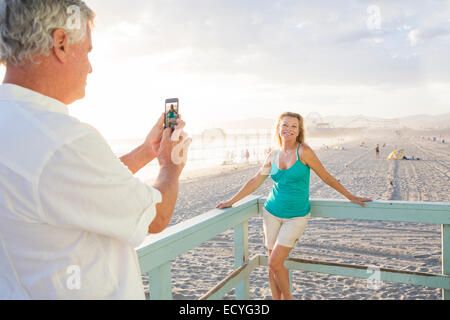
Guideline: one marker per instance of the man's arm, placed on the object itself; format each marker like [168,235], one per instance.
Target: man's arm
[167,181]
[145,153]
[138,158]
[167,184]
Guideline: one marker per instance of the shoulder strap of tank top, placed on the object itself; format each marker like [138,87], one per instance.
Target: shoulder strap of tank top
[298,157]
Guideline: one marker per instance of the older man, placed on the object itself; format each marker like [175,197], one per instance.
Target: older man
[70,211]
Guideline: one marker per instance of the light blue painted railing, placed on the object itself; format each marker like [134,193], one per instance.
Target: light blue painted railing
[157,251]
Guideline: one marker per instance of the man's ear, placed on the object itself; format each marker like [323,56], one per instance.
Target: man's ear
[60,45]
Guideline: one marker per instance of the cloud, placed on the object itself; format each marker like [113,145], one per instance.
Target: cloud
[417,36]
[414,36]
[301,25]
[300,41]
[286,44]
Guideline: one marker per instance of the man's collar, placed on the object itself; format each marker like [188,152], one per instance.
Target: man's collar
[12,92]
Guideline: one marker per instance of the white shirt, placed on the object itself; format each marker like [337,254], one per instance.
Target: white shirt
[71,213]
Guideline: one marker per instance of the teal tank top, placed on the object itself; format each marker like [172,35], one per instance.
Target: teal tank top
[289,197]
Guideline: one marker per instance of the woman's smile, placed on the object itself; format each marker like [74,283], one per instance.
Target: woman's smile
[287,133]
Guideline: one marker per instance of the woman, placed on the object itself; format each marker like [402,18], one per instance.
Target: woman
[287,208]
[172,115]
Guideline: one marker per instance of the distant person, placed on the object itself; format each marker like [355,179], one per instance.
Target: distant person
[287,209]
[247,156]
[412,158]
[377,151]
[71,211]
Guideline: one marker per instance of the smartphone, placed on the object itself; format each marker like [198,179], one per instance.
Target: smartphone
[171,113]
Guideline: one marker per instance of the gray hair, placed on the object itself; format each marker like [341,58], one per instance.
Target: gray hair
[27,26]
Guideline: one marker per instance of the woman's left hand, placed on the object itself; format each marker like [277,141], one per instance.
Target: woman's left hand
[359,200]
[224,204]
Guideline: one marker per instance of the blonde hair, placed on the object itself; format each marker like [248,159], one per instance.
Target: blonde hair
[301,135]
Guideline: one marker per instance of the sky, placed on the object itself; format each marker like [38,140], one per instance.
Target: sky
[235,59]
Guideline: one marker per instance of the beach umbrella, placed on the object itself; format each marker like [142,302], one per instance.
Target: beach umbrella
[396,154]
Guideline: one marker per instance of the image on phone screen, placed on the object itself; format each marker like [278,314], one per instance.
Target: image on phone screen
[171,113]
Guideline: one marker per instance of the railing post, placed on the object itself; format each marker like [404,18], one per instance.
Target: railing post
[290,273]
[160,282]
[446,256]
[240,258]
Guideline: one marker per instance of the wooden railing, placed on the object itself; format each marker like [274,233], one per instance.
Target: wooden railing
[157,251]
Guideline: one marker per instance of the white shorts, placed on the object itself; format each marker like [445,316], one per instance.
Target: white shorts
[283,232]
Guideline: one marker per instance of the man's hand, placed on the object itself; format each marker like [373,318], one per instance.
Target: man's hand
[173,148]
[153,140]
[146,152]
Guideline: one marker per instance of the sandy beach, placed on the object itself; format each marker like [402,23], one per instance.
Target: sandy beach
[402,246]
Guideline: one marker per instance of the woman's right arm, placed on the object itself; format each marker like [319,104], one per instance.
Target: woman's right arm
[251,185]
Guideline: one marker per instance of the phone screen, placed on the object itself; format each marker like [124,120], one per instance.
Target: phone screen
[171,113]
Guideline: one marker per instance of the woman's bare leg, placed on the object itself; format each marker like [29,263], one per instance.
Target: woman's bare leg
[276,292]
[279,272]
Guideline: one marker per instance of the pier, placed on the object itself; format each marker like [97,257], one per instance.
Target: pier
[157,251]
